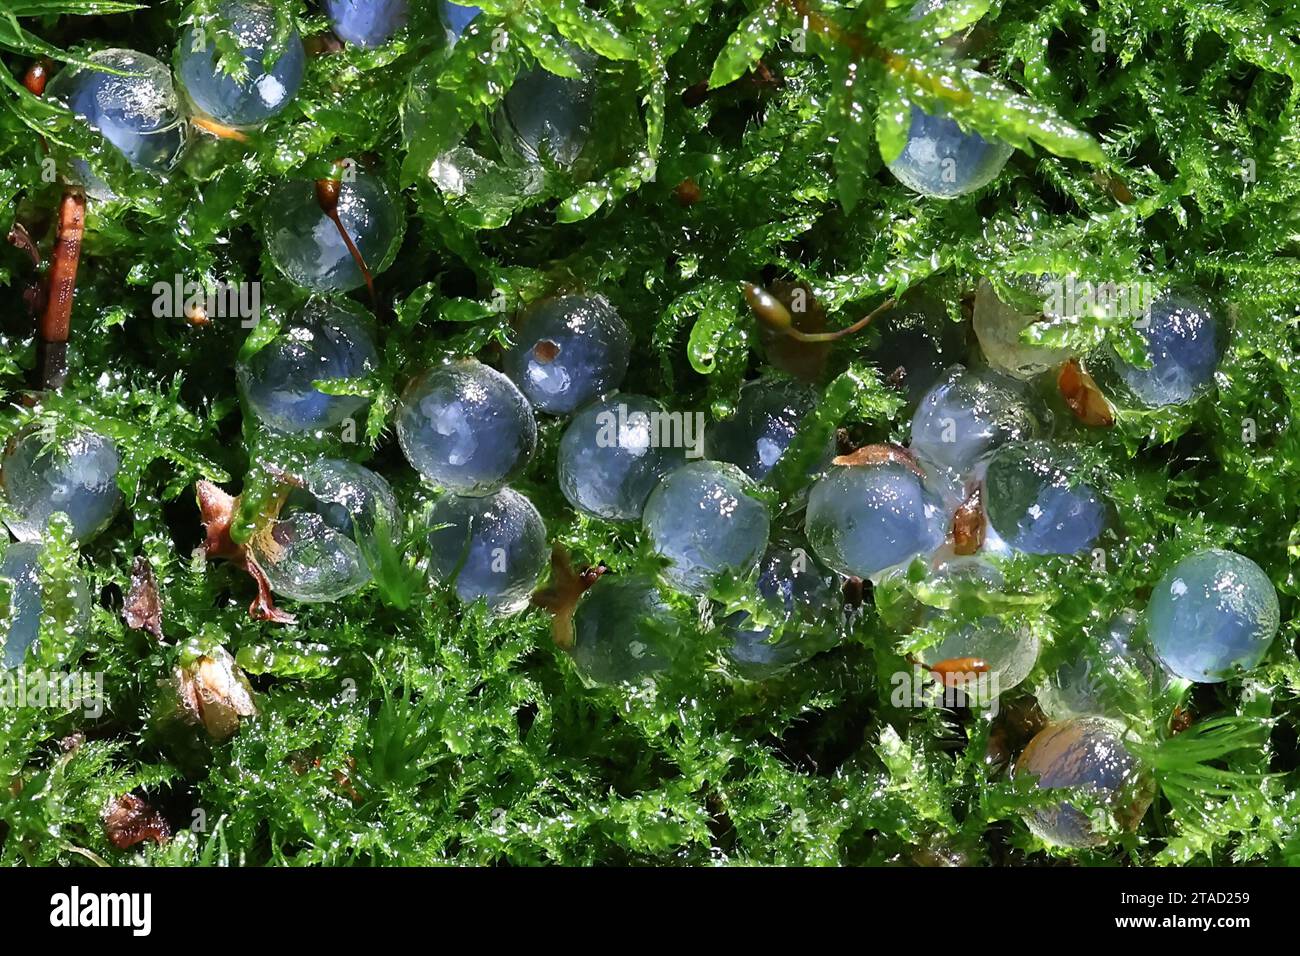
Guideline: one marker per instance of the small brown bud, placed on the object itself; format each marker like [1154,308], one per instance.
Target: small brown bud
[213,691]
[128,820]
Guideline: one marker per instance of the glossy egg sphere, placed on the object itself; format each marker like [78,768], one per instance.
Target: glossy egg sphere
[23,599]
[76,475]
[624,632]
[1213,615]
[1000,328]
[456,18]
[942,161]
[803,599]
[1105,678]
[306,245]
[136,110]
[569,351]
[321,341]
[613,454]
[704,521]
[973,627]
[915,343]
[1182,342]
[1008,651]
[766,419]
[466,428]
[270,82]
[367,23]
[323,542]
[865,519]
[967,414]
[547,118]
[1036,502]
[1086,752]
[493,547]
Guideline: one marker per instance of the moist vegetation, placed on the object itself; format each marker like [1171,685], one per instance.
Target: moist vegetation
[736,142]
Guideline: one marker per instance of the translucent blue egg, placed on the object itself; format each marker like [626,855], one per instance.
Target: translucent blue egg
[1036,502]
[966,615]
[307,246]
[613,454]
[1087,752]
[43,474]
[1213,614]
[270,84]
[1105,679]
[966,415]
[623,631]
[137,112]
[456,17]
[20,573]
[321,341]
[864,519]
[915,343]
[803,600]
[767,417]
[1182,342]
[1000,328]
[367,23]
[547,118]
[942,161]
[1008,651]
[22,602]
[703,519]
[493,547]
[569,351]
[466,428]
[322,543]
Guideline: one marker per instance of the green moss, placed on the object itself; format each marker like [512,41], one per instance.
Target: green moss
[396,727]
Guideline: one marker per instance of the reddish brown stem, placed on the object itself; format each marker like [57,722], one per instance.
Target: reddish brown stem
[774,314]
[143,608]
[687,192]
[1180,720]
[857,326]
[855,591]
[34,291]
[327,196]
[57,318]
[37,75]
[56,321]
